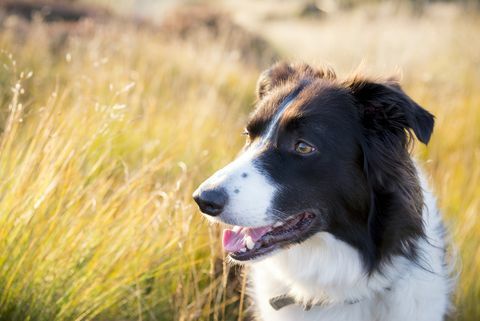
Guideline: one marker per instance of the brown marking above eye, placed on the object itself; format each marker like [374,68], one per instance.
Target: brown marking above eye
[266,109]
[255,127]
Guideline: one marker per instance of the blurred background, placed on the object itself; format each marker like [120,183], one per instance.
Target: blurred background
[113,111]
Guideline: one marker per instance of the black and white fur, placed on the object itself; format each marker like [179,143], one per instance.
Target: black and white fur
[378,239]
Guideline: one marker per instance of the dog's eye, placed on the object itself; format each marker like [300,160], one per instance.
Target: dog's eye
[304,148]
[247,135]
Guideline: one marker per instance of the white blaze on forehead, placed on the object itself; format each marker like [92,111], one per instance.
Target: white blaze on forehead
[250,191]
[272,127]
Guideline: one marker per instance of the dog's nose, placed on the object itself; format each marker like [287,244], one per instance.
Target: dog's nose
[211,201]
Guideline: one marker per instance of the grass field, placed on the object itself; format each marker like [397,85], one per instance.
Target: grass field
[107,129]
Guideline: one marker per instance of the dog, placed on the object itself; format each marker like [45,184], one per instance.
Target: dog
[326,204]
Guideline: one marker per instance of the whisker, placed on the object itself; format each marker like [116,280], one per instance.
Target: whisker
[276,213]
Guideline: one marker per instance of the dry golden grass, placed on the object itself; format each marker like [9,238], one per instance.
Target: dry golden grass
[105,136]
[102,142]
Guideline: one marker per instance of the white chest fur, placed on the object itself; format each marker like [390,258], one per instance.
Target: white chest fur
[326,268]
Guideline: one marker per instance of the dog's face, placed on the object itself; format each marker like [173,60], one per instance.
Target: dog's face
[320,155]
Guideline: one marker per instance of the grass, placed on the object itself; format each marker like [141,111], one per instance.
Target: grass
[105,136]
[102,144]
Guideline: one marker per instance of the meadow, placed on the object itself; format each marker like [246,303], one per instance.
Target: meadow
[107,128]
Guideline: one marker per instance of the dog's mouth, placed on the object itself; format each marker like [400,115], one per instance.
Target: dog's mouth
[247,243]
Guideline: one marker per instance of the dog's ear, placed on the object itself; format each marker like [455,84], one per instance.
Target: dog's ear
[272,77]
[283,72]
[389,117]
[386,109]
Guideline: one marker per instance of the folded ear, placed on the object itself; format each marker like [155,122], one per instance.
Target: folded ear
[272,77]
[389,118]
[385,108]
[283,72]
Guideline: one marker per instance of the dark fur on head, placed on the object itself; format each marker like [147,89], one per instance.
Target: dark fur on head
[382,119]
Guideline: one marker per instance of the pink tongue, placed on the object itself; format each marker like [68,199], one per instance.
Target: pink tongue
[235,241]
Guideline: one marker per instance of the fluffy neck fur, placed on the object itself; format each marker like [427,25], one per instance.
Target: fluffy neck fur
[325,268]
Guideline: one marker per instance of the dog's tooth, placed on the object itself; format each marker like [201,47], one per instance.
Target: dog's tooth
[236,229]
[249,243]
[243,250]
[277,224]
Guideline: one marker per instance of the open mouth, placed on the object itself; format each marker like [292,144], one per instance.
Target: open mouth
[247,243]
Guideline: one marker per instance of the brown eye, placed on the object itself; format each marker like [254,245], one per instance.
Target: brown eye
[304,148]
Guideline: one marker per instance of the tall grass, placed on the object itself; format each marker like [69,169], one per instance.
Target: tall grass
[105,135]
[102,142]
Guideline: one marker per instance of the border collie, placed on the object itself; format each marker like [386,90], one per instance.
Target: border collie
[327,204]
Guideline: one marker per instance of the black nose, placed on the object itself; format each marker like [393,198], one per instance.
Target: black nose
[211,201]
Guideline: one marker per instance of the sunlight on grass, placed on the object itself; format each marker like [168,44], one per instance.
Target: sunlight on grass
[105,136]
[102,144]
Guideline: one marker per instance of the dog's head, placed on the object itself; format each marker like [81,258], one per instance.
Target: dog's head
[322,155]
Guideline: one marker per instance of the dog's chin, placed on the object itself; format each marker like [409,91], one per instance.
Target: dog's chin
[249,244]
